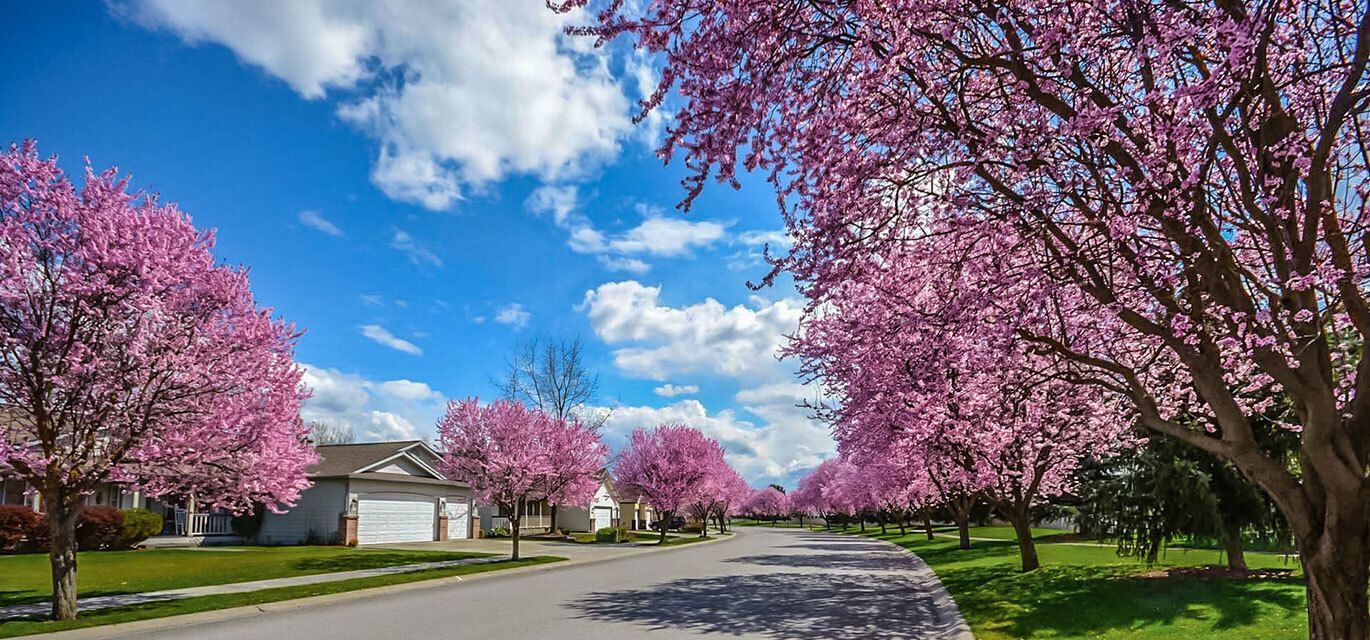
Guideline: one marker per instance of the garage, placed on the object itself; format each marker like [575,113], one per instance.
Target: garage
[604,517]
[383,519]
[458,518]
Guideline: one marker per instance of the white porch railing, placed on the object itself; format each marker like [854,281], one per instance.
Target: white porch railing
[203,524]
[526,523]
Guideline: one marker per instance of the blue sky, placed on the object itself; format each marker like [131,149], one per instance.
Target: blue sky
[421,190]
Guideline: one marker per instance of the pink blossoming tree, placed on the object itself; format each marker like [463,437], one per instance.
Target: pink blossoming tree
[1191,176]
[130,355]
[768,503]
[667,466]
[514,455]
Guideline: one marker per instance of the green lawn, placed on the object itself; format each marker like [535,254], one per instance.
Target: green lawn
[210,603]
[26,578]
[1090,592]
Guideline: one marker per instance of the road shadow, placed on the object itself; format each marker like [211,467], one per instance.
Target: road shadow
[779,605]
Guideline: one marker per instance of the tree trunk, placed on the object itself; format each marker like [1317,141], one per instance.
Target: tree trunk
[665,520]
[863,524]
[963,528]
[553,528]
[927,526]
[61,518]
[514,533]
[882,527]
[902,528]
[1232,544]
[1027,549]
[1335,567]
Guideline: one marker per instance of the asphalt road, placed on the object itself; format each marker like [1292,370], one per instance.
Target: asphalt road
[762,583]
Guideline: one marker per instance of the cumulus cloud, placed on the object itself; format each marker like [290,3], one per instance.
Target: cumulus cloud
[456,94]
[375,410]
[669,390]
[662,342]
[513,315]
[769,434]
[777,451]
[381,335]
[657,235]
[315,220]
[418,254]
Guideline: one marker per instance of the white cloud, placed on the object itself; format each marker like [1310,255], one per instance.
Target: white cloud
[513,315]
[372,299]
[418,254]
[664,342]
[385,410]
[669,390]
[316,220]
[456,94]
[778,451]
[655,236]
[382,336]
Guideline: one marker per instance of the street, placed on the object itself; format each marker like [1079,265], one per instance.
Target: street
[763,583]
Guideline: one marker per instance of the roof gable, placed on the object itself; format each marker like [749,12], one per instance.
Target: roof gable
[408,457]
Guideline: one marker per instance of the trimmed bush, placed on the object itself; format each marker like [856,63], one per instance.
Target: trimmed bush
[611,534]
[690,528]
[98,528]
[247,525]
[16,523]
[138,525]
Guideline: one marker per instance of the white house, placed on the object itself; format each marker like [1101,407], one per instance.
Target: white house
[601,512]
[372,493]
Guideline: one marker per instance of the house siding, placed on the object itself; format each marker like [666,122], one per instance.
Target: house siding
[318,510]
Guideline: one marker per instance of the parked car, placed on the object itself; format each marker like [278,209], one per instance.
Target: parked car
[676,523]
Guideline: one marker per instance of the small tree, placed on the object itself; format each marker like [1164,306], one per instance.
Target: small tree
[550,374]
[768,503]
[513,455]
[130,355]
[323,433]
[666,466]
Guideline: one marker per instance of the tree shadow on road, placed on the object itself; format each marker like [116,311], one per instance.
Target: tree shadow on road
[780,605]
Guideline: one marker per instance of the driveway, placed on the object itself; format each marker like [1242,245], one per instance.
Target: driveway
[762,583]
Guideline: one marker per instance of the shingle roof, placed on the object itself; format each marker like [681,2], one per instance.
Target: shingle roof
[346,459]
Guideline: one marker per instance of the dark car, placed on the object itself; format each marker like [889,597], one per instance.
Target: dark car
[676,523]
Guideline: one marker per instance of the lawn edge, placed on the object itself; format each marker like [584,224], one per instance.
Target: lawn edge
[126,629]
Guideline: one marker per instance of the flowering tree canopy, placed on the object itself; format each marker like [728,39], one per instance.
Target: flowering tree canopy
[513,455]
[768,502]
[129,354]
[668,466]
[1188,181]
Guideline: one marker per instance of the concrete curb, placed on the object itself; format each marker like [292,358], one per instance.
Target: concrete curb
[948,606]
[137,627]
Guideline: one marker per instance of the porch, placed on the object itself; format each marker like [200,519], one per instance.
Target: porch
[526,523]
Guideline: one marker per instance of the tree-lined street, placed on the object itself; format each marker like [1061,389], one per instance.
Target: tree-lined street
[762,583]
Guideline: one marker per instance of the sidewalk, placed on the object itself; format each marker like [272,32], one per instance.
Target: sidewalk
[102,602]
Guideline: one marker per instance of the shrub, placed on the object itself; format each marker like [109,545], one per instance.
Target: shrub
[247,525]
[139,525]
[689,528]
[611,534]
[16,523]
[498,532]
[98,528]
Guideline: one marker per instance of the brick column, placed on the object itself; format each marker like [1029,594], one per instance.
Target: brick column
[442,528]
[347,525]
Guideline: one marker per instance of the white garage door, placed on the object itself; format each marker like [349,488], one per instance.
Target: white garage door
[458,518]
[395,518]
[604,517]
